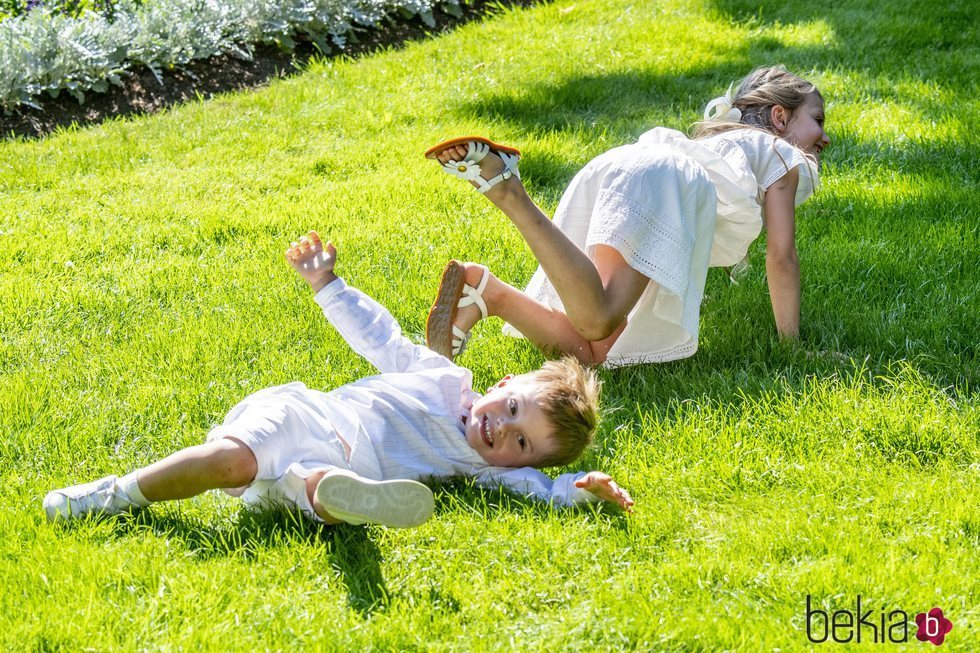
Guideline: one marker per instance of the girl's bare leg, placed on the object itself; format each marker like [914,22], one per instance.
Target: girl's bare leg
[549,329]
[597,295]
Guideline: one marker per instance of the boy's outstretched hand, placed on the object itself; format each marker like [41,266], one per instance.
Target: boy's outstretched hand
[312,260]
[606,489]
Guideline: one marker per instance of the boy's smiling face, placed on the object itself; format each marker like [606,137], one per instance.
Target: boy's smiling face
[508,428]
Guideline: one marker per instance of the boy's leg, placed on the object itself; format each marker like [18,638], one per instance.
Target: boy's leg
[311,482]
[341,496]
[218,464]
[221,463]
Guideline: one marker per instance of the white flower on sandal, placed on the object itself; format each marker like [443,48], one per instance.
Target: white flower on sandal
[477,149]
[468,170]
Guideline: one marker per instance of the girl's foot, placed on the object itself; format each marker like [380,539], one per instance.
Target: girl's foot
[466,295]
[468,316]
[313,261]
[485,171]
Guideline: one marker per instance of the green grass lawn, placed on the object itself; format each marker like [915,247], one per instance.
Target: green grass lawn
[143,292]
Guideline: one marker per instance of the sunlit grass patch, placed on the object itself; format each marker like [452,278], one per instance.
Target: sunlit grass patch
[143,293]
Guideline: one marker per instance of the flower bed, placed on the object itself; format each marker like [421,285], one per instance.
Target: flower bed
[48,51]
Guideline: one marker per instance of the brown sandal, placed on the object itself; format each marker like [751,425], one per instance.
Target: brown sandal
[441,334]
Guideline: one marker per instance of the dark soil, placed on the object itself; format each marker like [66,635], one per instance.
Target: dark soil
[141,92]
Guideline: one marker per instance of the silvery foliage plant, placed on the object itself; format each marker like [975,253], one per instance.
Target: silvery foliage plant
[44,52]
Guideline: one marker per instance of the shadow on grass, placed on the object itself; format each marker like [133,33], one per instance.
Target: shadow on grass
[878,38]
[461,494]
[350,550]
[628,103]
[913,306]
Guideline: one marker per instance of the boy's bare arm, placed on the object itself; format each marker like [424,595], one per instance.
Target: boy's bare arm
[604,487]
[314,262]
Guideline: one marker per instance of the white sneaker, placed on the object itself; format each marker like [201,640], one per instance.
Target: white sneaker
[358,500]
[101,497]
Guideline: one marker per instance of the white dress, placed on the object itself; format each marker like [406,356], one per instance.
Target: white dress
[672,207]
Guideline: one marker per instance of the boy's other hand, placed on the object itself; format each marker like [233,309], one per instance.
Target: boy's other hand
[313,261]
[606,489]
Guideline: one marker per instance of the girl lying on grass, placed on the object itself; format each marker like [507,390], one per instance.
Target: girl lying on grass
[354,454]
[623,265]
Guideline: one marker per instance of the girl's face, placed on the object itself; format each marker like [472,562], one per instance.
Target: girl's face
[804,126]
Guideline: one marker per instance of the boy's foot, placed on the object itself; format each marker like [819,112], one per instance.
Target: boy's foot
[459,305]
[490,167]
[314,262]
[102,497]
[358,500]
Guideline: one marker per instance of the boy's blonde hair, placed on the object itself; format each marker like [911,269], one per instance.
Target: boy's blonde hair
[568,393]
[756,95]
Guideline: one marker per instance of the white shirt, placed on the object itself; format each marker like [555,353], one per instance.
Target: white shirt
[407,421]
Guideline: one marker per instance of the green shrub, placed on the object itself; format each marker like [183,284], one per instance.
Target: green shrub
[48,50]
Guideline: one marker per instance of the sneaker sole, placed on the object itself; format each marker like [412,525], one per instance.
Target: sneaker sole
[396,504]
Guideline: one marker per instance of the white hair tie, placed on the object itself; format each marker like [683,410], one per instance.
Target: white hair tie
[721,110]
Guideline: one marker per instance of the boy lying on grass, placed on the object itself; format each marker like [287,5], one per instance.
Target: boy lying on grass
[354,454]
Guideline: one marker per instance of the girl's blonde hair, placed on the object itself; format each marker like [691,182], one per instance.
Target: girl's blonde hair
[756,95]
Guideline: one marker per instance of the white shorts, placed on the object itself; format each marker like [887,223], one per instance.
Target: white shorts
[289,443]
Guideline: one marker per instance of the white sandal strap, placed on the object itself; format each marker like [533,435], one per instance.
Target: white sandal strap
[476,151]
[467,169]
[510,162]
[459,341]
[487,184]
[473,295]
[470,296]
[510,169]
